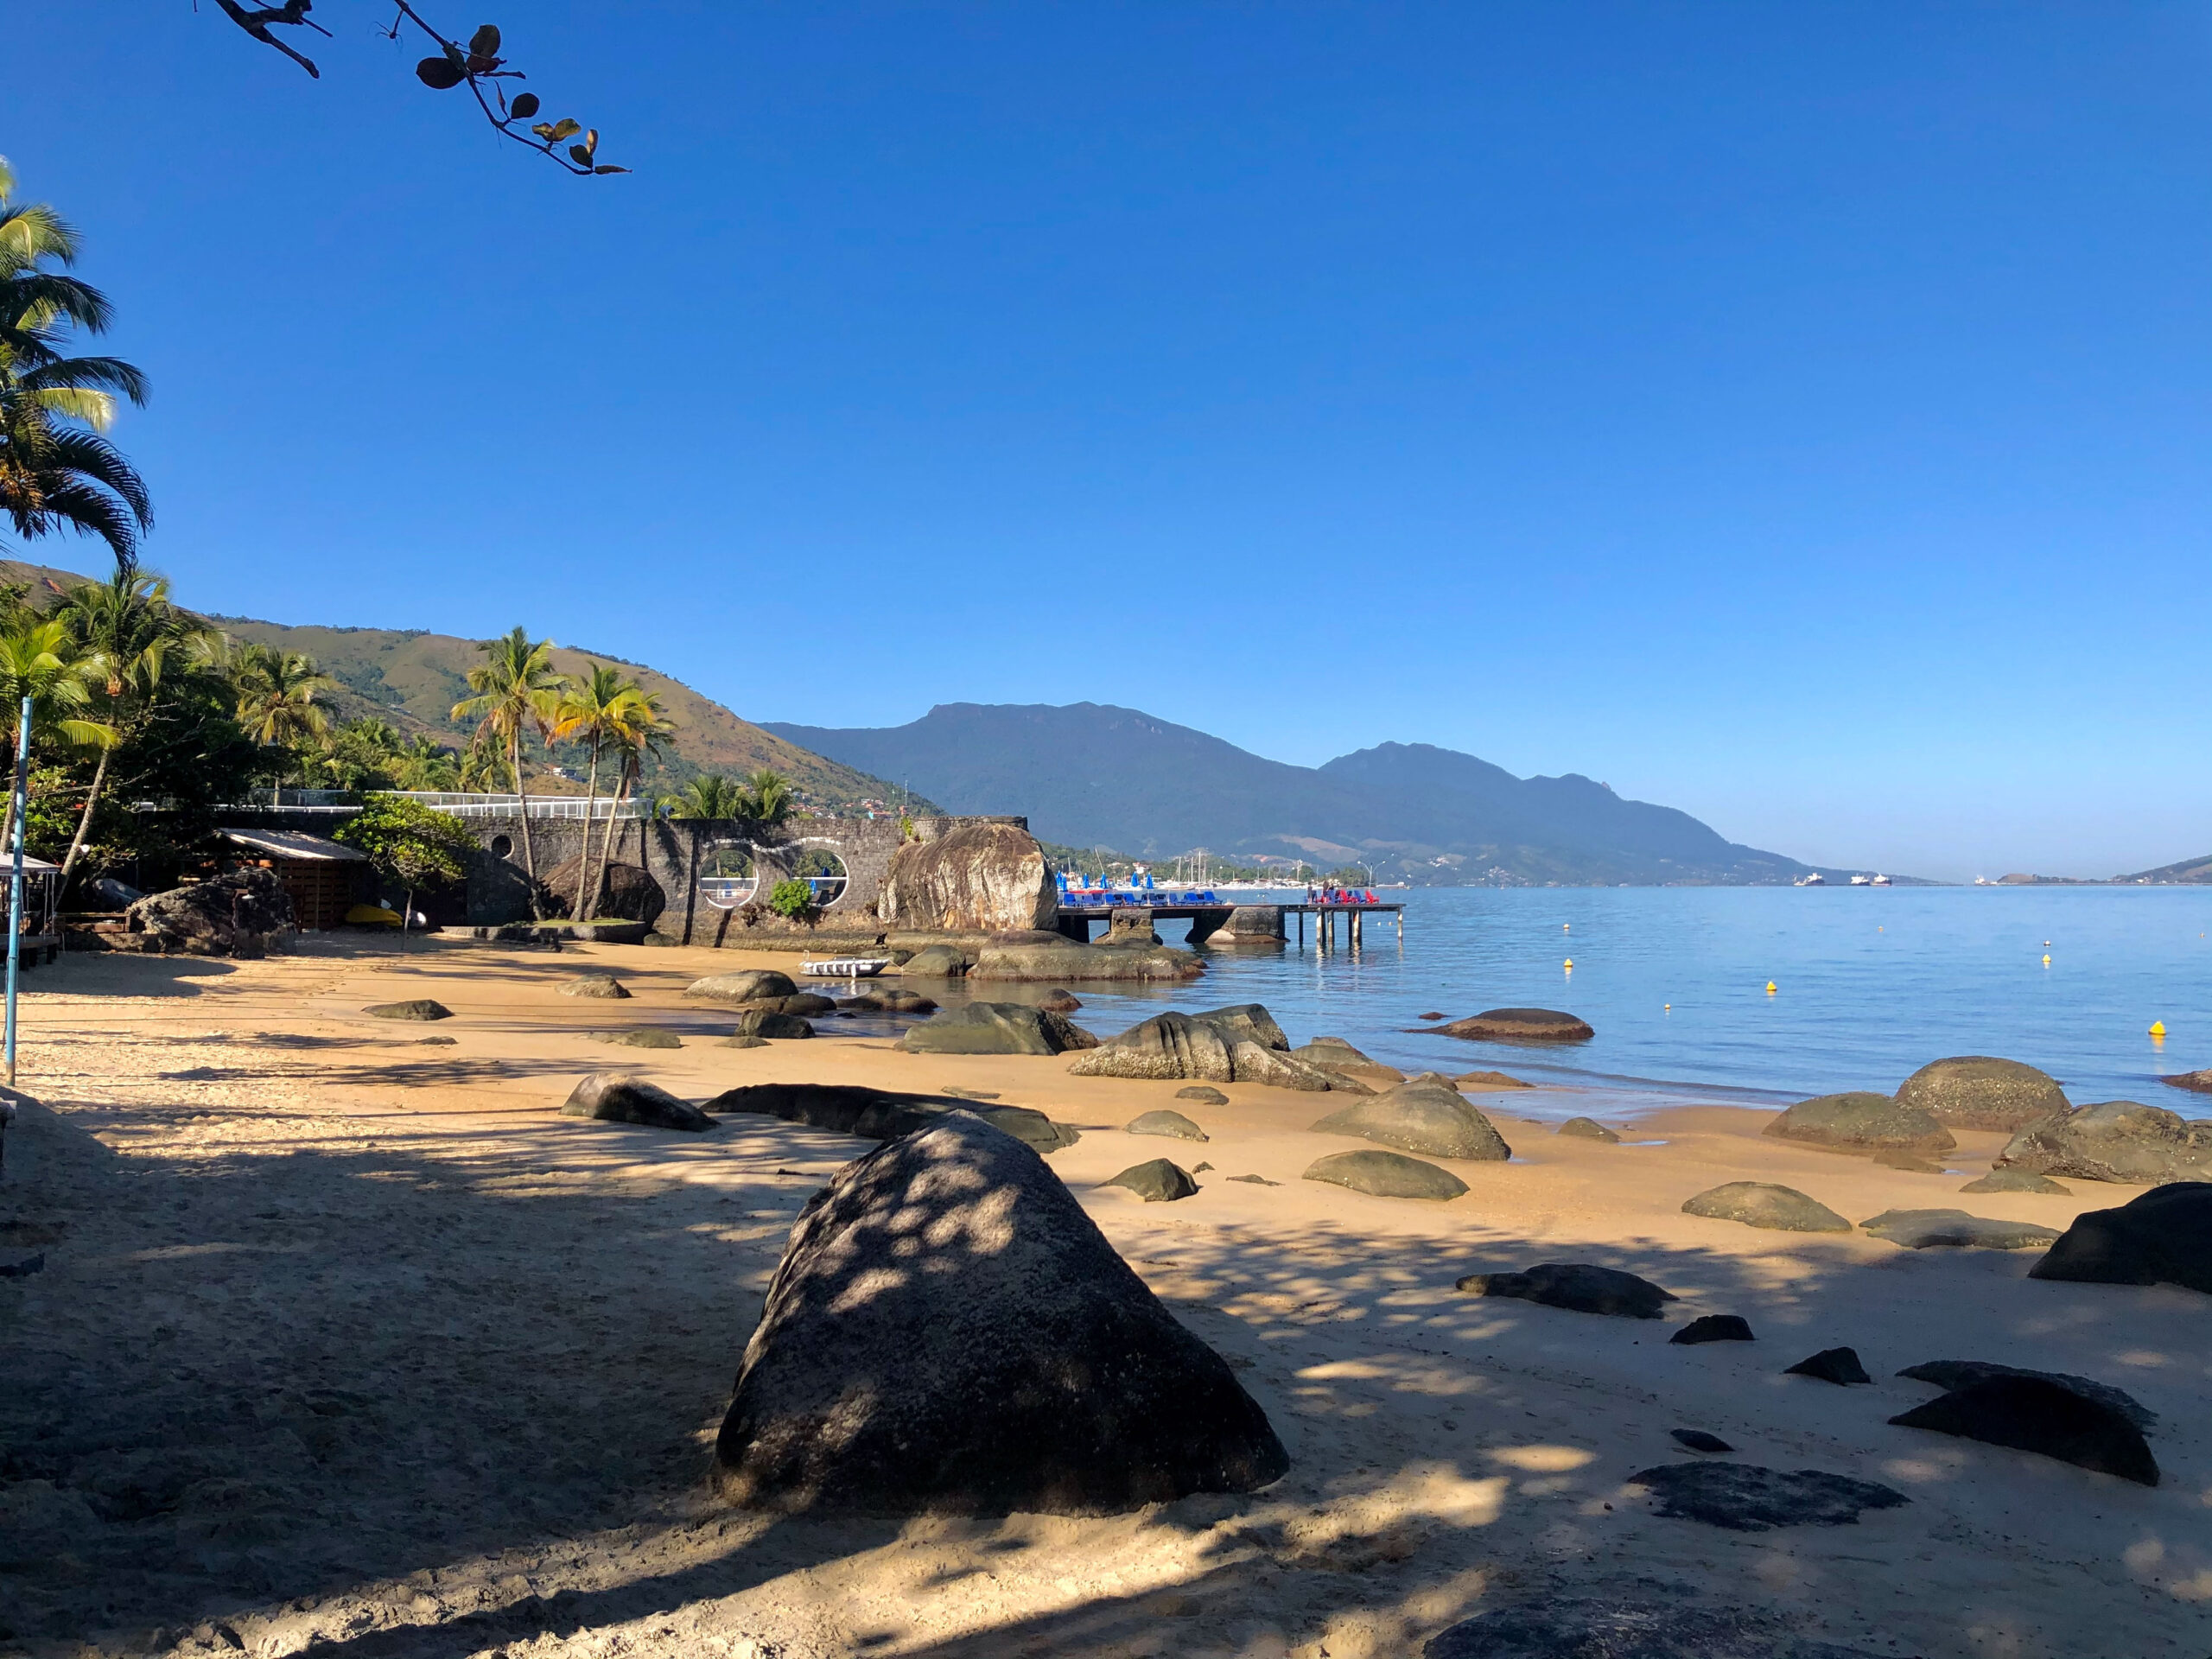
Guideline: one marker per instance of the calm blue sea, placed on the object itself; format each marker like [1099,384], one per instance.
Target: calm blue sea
[1870,983]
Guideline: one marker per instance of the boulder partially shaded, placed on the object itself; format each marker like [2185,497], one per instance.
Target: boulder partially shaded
[1426,1115]
[741,986]
[2017,1180]
[937,961]
[1156,1181]
[416,1007]
[2033,1414]
[1977,1091]
[1965,1373]
[1861,1123]
[1713,1327]
[997,1028]
[1521,1025]
[759,1022]
[1924,1230]
[1249,1062]
[883,1113]
[628,892]
[1744,1497]
[1840,1366]
[1172,1124]
[1650,1620]
[1578,1286]
[240,913]
[611,1097]
[1764,1204]
[978,878]
[596,985]
[948,1333]
[640,1037]
[1386,1175]
[2164,1237]
[1167,1046]
[1250,1021]
[2114,1140]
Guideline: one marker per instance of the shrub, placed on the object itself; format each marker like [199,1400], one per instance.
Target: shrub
[793,900]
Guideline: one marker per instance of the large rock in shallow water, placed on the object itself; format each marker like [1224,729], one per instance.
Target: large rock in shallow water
[1387,1175]
[1861,1123]
[1653,1621]
[612,1098]
[2114,1140]
[1975,1091]
[744,986]
[1763,1203]
[980,878]
[762,1022]
[997,1028]
[1250,1063]
[2035,1413]
[1577,1287]
[949,1333]
[1063,960]
[2162,1237]
[937,961]
[1427,1115]
[1521,1025]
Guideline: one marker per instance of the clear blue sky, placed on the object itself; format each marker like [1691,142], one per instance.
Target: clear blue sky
[1800,413]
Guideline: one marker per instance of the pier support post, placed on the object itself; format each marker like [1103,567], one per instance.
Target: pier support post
[1357,918]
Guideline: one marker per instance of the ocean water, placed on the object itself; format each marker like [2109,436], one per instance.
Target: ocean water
[1870,984]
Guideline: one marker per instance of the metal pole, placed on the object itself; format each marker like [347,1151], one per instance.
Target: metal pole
[16,879]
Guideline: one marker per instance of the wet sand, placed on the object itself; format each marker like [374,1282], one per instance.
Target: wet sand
[351,1346]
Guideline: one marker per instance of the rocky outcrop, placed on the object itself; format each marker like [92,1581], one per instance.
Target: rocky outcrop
[1426,1115]
[1763,1203]
[997,1028]
[243,914]
[1060,960]
[1578,1286]
[745,986]
[937,961]
[2162,1237]
[630,894]
[2037,1413]
[1156,1181]
[1861,1123]
[1744,1498]
[612,1098]
[1387,1175]
[2114,1140]
[1250,927]
[1174,1046]
[1335,1054]
[1975,1091]
[1251,1022]
[1924,1229]
[2200,1082]
[948,1333]
[2017,1180]
[979,878]
[1250,1063]
[1521,1025]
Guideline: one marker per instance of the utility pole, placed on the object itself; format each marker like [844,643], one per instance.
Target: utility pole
[16,878]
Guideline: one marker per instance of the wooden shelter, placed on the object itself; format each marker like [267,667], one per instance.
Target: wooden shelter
[323,878]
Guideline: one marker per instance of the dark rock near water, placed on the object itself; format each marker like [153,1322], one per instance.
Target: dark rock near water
[1975,1091]
[612,1098]
[1426,1115]
[949,1333]
[1658,1622]
[640,1037]
[1837,1365]
[959,1093]
[599,985]
[1714,1327]
[882,1113]
[1577,1285]
[1250,1021]
[1203,1094]
[997,1028]
[1923,1229]
[1698,1440]
[2199,1081]
[1586,1129]
[1744,1497]
[1165,1123]
[1861,1123]
[2017,1180]
[1432,1015]
[1249,1062]
[2032,1414]
[419,1007]
[1057,1001]
[1386,1175]
[1763,1203]
[1479,1081]
[237,914]
[896,1001]
[798,1002]
[1965,1373]
[2164,1237]
[1521,1025]
[937,961]
[1168,1045]
[2114,1140]
[743,986]
[630,894]
[1064,960]
[759,1022]
[1156,1181]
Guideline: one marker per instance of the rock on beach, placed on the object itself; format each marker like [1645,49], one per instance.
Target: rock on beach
[1387,1175]
[1157,1180]
[1521,1025]
[1923,1229]
[1744,1497]
[1977,1091]
[612,1098]
[2114,1140]
[2163,1237]
[419,1007]
[1764,1204]
[743,986]
[2034,1414]
[1172,1124]
[1578,1286]
[1861,1123]
[1426,1115]
[997,1028]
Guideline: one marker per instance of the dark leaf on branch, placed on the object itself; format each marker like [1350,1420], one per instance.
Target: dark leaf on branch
[485,42]
[478,65]
[580,155]
[523,107]
[603,168]
[564,128]
[440,74]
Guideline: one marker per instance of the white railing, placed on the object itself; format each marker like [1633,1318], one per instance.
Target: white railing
[469,805]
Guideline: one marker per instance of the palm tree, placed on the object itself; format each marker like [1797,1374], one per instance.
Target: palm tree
[128,628]
[768,799]
[277,691]
[639,732]
[57,471]
[39,661]
[711,795]
[425,763]
[592,711]
[516,690]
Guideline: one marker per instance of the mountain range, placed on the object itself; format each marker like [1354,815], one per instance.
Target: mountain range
[1090,774]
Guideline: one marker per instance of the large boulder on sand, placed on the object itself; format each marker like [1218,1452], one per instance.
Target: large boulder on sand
[948,1333]
[765,1022]
[416,1009]
[979,878]
[1521,1025]
[237,914]
[2039,1413]
[1426,1115]
[1250,1063]
[883,1113]
[2162,1237]
[997,1028]
[1056,960]
[631,893]
[1861,1123]
[1975,1091]
[744,986]
[1157,1180]
[1763,1203]
[1173,1124]
[937,961]
[1251,1022]
[1579,1287]
[614,1098]
[1387,1175]
[597,985]
[1924,1229]
[2114,1140]
[1167,1046]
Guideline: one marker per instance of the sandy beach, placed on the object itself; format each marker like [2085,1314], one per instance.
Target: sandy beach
[348,1345]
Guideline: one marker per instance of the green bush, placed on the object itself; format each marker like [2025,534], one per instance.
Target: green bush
[792,900]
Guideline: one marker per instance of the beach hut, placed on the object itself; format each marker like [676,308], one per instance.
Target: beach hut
[41,933]
[323,878]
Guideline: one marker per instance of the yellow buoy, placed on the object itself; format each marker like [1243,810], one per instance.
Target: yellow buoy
[2046,958]
[1566,927]
[1570,964]
[1770,988]
[2158,1028]
[1670,1007]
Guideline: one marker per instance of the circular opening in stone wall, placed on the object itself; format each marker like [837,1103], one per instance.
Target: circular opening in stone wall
[824,872]
[502,846]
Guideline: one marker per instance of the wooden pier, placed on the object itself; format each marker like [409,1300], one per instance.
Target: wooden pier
[1207,920]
